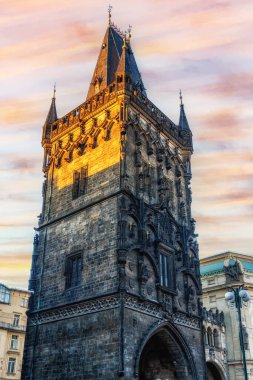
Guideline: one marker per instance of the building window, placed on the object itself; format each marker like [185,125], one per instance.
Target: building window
[166,270]
[216,339]
[80,182]
[209,337]
[14,342]
[4,294]
[24,302]
[74,266]
[16,320]
[11,365]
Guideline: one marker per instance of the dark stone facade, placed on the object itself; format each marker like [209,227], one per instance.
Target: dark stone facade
[126,237]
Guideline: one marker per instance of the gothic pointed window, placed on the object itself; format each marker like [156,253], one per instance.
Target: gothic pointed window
[80,182]
[73,269]
[209,337]
[76,184]
[83,181]
[166,266]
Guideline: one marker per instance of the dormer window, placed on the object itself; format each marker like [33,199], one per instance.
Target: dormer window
[97,84]
[97,87]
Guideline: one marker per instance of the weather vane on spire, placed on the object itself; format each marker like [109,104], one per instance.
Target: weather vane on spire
[109,14]
[181,97]
[54,90]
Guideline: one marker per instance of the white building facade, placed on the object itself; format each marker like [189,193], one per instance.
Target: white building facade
[221,273]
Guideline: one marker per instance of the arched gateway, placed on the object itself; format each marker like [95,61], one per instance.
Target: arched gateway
[214,372]
[165,356]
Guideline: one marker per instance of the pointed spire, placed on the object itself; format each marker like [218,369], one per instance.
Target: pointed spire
[52,113]
[107,62]
[110,61]
[183,122]
[124,66]
[127,65]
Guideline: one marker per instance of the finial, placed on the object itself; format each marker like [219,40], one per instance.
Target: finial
[181,97]
[124,41]
[109,14]
[54,90]
[129,32]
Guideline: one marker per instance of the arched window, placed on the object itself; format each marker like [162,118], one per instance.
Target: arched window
[216,339]
[4,294]
[209,337]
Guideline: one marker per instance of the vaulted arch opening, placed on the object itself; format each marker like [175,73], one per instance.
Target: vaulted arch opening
[163,358]
[213,372]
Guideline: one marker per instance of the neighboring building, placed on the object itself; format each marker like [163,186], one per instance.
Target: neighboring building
[215,345]
[219,273]
[115,268]
[13,307]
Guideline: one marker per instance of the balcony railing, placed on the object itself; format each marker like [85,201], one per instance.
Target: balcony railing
[11,326]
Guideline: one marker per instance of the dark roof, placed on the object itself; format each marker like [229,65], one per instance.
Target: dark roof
[111,60]
[52,113]
[183,122]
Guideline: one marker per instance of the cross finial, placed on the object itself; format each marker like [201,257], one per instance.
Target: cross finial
[181,97]
[129,32]
[54,90]
[109,14]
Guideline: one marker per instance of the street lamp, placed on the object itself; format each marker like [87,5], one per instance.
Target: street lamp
[238,296]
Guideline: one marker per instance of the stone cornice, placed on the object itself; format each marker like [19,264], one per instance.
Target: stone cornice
[111,302]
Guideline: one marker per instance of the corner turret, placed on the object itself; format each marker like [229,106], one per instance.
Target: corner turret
[51,118]
[183,122]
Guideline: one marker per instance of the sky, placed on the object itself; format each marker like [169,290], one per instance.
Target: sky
[201,47]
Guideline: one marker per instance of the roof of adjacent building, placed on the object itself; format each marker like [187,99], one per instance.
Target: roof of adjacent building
[15,289]
[215,264]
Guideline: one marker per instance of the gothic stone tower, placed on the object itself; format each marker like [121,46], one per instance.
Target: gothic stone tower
[115,268]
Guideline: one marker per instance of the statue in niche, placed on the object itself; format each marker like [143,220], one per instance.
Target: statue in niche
[179,188]
[143,272]
[138,160]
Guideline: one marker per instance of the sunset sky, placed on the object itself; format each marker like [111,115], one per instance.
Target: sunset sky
[203,47]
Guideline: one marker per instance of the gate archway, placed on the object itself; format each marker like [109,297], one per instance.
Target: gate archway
[213,372]
[165,356]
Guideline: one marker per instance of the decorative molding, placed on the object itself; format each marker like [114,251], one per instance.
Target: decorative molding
[110,302]
[145,307]
[82,308]
[187,321]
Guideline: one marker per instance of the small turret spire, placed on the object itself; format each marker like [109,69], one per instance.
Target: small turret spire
[52,113]
[183,122]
